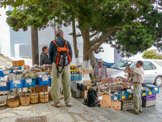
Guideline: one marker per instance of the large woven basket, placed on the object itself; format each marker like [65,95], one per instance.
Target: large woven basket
[44,98]
[34,98]
[3,104]
[13,102]
[25,99]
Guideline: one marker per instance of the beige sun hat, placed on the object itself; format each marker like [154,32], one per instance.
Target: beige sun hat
[100,60]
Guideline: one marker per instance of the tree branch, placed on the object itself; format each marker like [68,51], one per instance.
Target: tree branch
[92,35]
[100,40]
[105,34]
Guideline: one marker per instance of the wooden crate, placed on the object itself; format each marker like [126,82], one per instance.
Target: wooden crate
[116,104]
[105,99]
[127,104]
[148,103]
[18,63]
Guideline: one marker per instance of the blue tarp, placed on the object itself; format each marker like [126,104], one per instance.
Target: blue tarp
[106,63]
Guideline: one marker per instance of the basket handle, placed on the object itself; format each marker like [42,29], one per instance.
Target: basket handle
[43,91]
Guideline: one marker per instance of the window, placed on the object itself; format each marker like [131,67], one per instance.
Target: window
[149,66]
[121,64]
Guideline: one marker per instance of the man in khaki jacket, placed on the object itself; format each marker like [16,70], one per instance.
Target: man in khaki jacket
[138,78]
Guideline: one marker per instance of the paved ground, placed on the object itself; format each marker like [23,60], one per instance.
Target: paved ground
[76,113]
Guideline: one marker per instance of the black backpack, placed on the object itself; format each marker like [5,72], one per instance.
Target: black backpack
[92,98]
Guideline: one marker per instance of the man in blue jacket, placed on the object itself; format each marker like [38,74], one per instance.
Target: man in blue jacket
[64,76]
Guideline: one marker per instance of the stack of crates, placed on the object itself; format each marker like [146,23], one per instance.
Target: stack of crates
[75,76]
[149,100]
[149,97]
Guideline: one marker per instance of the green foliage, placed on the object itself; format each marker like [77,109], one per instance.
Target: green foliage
[135,24]
[151,54]
[134,38]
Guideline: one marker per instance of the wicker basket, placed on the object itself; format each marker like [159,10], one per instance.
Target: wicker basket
[50,96]
[34,98]
[13,102]
[44,98]
[25,99]
[3,104]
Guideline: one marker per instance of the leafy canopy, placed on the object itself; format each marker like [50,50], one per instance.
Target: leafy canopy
[131,26]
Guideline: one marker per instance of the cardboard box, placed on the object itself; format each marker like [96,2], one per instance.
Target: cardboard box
[83,94]
[81,71]
[18,63]
[38,89]
[105,99]
[87,81]
[116,104]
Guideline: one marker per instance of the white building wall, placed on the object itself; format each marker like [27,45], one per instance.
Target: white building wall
[4,34]
[108,54]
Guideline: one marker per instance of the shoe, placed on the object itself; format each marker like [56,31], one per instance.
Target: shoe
[57,105]
[135,112]
[140,111]
[68,104]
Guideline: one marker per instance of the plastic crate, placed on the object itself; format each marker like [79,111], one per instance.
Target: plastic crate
[4,86]
[130,95]
[126,95]
[45,80]
[76,77]
[149,97]
[154,89]
[30,82]
[5,72]
[144,93]
[119,97]
[14,84]
[112,97]
[1,73]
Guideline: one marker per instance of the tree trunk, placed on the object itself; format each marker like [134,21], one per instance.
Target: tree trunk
[35,50]
[93,59]
[86,42]
[86,46]
[76,51]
